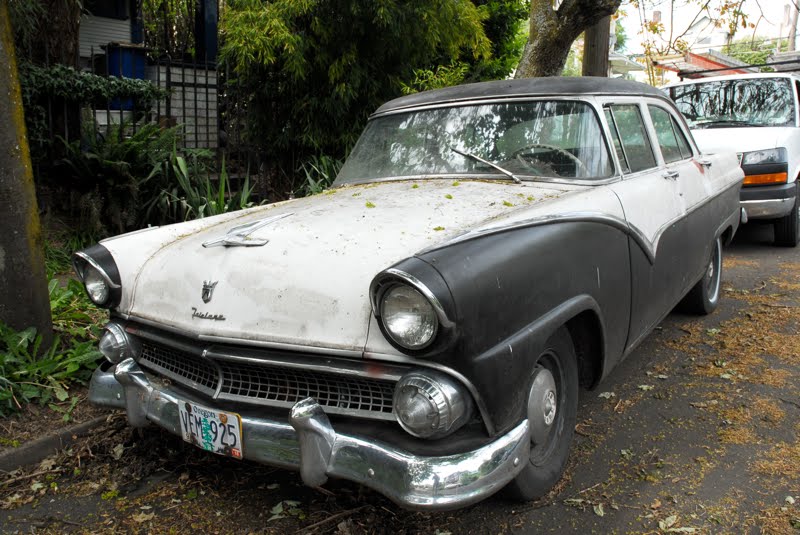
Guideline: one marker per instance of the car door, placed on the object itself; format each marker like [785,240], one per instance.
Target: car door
[654,209]
[694,188]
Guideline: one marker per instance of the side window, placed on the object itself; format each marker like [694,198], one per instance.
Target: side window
[612,126]
[637,154]
[665,132]
[683,143]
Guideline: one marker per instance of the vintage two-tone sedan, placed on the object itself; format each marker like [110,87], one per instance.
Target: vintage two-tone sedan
[424,326]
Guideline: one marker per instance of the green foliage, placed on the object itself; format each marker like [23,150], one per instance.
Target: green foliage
[320,172]
[753,51]
[506,30]
[442,76]
[311,71]
[109,178]
[26,17]
[197,195]
[58,249]
[65,84]
[29,375]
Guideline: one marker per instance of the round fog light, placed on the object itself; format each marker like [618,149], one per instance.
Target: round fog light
[429,404]
[115,345]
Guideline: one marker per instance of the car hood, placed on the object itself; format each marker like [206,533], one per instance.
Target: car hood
[309,283]
[744,139]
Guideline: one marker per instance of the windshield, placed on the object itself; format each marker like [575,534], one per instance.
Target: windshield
[736,103]
[528,140]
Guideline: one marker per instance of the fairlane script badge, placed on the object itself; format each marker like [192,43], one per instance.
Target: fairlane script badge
[206,315]
[208,290]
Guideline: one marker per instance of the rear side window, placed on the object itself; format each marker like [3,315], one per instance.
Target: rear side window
[635,151]
[674,145]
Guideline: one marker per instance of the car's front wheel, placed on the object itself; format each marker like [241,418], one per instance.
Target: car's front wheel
[787,228]
[551,411]
[703,298]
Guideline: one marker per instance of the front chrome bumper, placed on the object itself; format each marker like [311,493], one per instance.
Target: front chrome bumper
[309,443]
[767,208]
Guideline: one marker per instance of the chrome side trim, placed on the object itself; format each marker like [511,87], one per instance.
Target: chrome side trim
[311,444]
[92,262]
[567,217]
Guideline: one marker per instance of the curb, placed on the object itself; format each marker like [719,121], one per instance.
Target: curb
[41,448]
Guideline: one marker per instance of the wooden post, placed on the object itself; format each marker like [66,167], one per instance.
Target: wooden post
[24,299]
[595,48]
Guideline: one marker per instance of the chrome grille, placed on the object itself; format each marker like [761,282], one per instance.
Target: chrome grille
[181,366]
[288,386]
[270,384]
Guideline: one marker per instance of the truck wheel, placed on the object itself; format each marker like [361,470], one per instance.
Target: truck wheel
[703,298]
[786,228]
[551,411]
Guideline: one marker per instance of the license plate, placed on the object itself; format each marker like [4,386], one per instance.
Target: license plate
[211,430]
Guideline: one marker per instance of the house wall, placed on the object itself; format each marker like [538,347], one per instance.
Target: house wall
[97,31]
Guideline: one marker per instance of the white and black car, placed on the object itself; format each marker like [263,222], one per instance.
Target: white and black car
[424,327]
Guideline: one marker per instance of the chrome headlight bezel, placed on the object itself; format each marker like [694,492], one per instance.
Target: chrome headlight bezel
[95,266]
[765,156]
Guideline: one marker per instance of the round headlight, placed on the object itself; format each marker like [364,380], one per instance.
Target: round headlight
[430,404]
[115,344]
[409,318]
[96,285]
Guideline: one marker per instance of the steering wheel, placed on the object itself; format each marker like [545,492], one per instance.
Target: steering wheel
[521,152]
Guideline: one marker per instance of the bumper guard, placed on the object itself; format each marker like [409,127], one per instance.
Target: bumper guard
[309,443]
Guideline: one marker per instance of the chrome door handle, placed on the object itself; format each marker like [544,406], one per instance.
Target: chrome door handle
[704,163]
[671,175]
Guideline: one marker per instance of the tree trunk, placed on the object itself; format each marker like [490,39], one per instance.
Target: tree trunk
[552,32]
[792,28]
[24,300]
[595,48]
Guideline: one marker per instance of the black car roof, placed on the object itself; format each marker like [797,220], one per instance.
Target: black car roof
[547,86]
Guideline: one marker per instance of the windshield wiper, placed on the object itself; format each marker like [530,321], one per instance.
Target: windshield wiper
[506,172]
[726,122]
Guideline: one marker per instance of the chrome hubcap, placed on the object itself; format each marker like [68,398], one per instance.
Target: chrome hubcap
[549,407]
[542,405]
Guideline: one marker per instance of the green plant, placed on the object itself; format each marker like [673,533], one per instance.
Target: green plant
[28,374]
[42,86]
[112,176]
[58,249]
[197,195]
[26,377]
[320,172]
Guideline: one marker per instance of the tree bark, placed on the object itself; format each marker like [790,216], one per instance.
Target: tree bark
[595,48]
[24,299]
[553,31]
[792,29]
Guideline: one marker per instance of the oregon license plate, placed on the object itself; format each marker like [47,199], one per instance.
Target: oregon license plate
[211,430]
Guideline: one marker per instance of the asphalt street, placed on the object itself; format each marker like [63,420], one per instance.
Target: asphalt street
[698,431]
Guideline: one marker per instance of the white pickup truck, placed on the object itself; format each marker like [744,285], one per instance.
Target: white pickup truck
[755,115]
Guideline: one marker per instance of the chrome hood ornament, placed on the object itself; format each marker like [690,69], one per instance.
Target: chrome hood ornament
[240,236]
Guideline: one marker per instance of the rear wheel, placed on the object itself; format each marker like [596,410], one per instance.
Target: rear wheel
[552,409]
[787,228]
[703,298]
